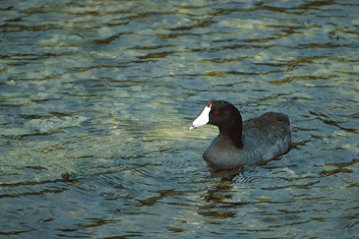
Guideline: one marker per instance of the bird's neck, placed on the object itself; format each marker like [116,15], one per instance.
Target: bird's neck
[234,133]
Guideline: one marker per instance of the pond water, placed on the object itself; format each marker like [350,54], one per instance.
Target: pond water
[96,98]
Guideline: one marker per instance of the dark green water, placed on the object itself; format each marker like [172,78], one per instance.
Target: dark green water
[96,98]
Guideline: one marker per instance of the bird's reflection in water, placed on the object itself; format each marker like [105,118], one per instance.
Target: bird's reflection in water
[219,202]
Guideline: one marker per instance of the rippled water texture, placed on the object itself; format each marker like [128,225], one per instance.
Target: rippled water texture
[96,98]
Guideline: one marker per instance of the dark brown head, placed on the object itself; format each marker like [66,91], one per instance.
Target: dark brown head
[225,116]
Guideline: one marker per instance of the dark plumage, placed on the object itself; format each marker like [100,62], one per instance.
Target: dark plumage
[252,142]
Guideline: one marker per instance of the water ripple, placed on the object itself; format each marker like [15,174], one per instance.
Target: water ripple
[96,99]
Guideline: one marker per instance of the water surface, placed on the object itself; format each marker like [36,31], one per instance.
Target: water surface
[96,98]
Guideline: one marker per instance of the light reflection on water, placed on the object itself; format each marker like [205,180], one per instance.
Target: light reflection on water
[96,100]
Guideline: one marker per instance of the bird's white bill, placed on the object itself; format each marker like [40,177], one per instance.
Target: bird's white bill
[202,119]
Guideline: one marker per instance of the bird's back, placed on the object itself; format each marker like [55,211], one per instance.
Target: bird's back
[266,137]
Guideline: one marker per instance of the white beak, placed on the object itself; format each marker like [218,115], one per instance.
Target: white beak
[202,119]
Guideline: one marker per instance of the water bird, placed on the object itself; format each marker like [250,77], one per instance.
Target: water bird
[243,143]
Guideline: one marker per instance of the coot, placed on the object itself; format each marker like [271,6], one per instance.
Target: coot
[239,144]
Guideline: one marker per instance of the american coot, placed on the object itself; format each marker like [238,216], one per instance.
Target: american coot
[247,143]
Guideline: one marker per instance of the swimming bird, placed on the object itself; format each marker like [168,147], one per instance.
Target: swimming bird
[240,144]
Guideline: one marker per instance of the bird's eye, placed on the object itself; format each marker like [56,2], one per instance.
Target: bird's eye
[216,112]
